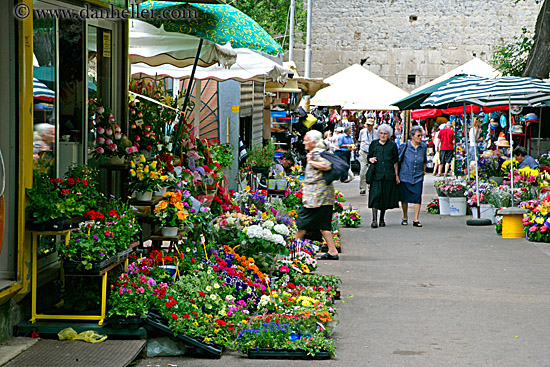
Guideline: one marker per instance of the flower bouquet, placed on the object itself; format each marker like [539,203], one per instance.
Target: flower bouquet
[170,211]
[490,167]
[144,176]
[454,188]
[433,206]
[109,139]
[350,218]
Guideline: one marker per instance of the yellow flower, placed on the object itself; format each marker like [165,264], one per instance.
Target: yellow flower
[182,215]
[539,220]
[132,164]
[196,323]
[195,306]
[164,178]
[248,188]
[216,330]
[140,176]
[179,205]
[153,164]
[244,322]
[146,169]
[132,173]
[206,340]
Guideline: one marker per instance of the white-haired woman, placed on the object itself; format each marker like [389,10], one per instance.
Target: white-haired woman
[383,193]
[317,196]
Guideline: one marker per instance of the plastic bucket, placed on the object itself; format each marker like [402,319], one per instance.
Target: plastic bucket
[144,196]
[444,207]
[169,231]
[457,206]
[512,226]
[487,211]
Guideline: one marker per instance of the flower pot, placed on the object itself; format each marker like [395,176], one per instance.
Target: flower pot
[498,180]
[457,206]
[116,160]
[169,231]
[487,211]
[161,192]
[144,196]
[444,208]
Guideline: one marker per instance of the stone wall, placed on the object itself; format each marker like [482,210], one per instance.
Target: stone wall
[398,38]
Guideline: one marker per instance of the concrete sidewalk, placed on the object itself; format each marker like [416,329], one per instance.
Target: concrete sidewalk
[442,295]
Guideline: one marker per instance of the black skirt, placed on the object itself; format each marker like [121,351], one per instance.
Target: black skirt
[319,218]
[383,195]
[411,193]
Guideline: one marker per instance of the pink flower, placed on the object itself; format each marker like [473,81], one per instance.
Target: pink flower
[112,147]
[118,136]
[533,229]
[117,129]
[543,228]
[100,140]
[100,130]
[108,141]
[111,117]
[284,269]
[109,131]
[100,110]
[100,150]
[132,149]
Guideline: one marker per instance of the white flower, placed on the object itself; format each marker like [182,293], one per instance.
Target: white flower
[281,229]
[216,285]
[268,224]
[213,296]
[208,288]
[187,249]
[229,298]
[277,238]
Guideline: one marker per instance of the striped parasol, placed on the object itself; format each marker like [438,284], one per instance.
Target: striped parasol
[511,90]
[41,92]
[445,96]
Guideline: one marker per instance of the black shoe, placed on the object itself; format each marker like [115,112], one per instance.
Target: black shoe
[362,192]
[328,256]
[374,224]
[382,224]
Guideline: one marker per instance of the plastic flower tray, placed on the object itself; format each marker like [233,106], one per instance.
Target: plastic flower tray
[121,322]
[74,267]
[285,354]
[208,350]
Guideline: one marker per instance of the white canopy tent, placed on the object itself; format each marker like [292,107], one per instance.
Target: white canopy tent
[154,46]
[249,66]
[357,88]
[473,67]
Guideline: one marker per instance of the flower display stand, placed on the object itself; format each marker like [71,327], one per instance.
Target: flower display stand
[154,322]
[512,222]
[158,238]
[444,205]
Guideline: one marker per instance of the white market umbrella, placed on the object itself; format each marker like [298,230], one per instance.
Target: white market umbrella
[155,46]
[249,66]
[519,91]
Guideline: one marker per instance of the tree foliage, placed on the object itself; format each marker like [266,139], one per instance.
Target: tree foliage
[273,16]
[510,58]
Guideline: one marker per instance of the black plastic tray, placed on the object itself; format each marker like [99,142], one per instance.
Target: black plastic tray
[75,267]
[285,354]
[208,350]
[120,322]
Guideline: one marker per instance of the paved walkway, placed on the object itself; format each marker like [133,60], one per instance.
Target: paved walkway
[443,295]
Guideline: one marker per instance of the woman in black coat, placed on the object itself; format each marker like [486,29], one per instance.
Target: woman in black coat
[383,193]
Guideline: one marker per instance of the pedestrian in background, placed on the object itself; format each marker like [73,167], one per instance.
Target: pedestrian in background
[346,146]
[317,197]
[383,194]
[413,159]
[446,152]
[366,136]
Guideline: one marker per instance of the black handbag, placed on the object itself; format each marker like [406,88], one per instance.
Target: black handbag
[338,167]
[369,176]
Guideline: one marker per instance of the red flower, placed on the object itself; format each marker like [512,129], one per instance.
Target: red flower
[185,315]
[192,260]
[71,181]
[113,213]
[168,258]
[299,194]
[64,191]
[221,322]
[107,233]
[85,182]
[174,316]
[202,294]
[170,297]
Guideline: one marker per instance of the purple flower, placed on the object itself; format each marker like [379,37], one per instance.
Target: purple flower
[204,209]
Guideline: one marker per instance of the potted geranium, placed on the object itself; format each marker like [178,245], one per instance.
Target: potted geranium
[130,299]
[171,213]
[456,191]
[145,178]
[443,198]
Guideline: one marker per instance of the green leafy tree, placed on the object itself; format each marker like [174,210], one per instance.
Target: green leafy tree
[273,16]
[510,58]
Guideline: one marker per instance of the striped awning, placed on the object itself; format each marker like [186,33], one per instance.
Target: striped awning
[41,92]
[445,96]
[519,91]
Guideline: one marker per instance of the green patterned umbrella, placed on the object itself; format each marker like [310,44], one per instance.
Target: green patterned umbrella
[216,23]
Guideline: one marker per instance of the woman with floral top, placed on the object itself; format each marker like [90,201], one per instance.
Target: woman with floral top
[318,197]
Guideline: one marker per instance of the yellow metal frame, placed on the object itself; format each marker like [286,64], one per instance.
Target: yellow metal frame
[34,284]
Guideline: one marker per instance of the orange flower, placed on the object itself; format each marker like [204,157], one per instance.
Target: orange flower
[179,205]
[175,198]
[161,206]
[182,214]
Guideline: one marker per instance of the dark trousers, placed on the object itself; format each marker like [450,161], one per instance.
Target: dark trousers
[346,156]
